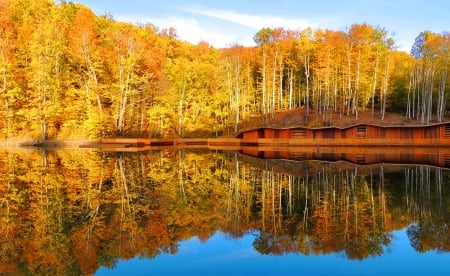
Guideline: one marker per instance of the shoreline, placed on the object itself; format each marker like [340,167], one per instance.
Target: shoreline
[48,144]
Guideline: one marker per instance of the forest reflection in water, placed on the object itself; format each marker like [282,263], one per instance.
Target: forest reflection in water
[71,212]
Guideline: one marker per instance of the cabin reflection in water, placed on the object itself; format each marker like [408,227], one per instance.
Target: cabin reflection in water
[81,210]
[434,156]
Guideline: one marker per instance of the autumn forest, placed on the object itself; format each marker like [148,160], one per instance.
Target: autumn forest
[66,73]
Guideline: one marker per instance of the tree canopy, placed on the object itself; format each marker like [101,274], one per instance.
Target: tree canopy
[68,73]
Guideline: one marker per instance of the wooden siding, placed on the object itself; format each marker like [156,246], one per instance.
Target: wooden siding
[285,133]
[253,134]
[432,132]
[270,133]
[329,133]
[358,132]
[374,132]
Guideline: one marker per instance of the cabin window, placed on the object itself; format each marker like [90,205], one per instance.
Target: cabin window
[301,156]
[360,159]
[299,133]
[447,160]
[361,132]
[447,131]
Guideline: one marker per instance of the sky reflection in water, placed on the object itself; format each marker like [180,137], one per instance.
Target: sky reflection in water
[222,255]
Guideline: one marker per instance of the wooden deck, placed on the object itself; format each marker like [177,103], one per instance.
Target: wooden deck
[141,144]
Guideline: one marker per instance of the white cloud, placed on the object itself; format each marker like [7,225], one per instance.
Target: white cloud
[192,30]
[253,21]
[232,28]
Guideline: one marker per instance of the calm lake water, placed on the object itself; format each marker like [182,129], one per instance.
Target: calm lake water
[218,212]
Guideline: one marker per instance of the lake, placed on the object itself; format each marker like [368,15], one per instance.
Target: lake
[178,211]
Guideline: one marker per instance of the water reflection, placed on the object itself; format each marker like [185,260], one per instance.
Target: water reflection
[70,212]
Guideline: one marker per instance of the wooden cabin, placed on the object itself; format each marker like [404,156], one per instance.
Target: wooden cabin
[361,134]
[360,144]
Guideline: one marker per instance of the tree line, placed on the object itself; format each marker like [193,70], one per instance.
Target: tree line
[68,73]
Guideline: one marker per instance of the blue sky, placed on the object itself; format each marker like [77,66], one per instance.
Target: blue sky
[224,23]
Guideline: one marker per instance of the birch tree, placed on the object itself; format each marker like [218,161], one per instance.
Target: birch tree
[85,53]
[128,79]
[306,48]
[263,38]
[430,75]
